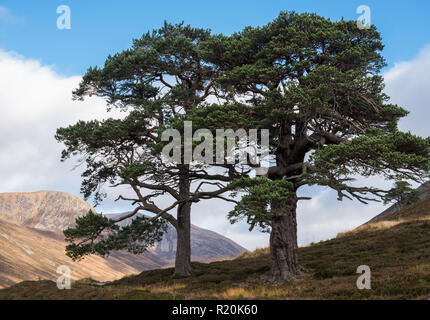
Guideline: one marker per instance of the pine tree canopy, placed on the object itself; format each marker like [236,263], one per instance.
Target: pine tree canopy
[315,84]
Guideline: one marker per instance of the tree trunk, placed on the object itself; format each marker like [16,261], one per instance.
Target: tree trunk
[183,246]
[283,242]
[183,229]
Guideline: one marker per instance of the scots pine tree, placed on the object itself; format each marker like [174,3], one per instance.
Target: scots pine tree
[317,86]
[156,83]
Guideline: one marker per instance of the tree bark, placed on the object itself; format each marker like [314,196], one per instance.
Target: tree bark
[183,228]
[183,245]
[283,241]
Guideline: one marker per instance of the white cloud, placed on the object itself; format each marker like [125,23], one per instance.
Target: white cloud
[34,101]
[408,83]
[324,217]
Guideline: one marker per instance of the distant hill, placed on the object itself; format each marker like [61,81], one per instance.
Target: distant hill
[424,191]
[206,245]
[32,245]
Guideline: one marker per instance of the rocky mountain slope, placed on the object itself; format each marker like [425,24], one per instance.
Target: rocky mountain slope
[32,244]
[206,245]
[43,210]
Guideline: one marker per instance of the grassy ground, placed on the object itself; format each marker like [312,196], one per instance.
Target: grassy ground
[396,249]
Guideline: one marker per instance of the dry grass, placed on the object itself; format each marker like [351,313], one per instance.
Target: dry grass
[262,291]
[166,288]
[372,227]
[253,254]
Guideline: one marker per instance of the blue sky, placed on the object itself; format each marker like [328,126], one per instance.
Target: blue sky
[40,65]
[100,28]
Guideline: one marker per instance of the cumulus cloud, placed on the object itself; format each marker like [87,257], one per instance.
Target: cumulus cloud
[324,217]
[34,101]
[408,83]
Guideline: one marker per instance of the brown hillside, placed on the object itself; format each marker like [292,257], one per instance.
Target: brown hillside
[32,245]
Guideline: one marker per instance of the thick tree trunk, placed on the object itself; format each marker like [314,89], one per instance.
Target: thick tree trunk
[183,247]
[183,229]
[283,242]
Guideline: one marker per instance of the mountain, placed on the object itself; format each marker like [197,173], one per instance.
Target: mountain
[43,210]
[206,245]
[424,191]
[30,254]
[32,245]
